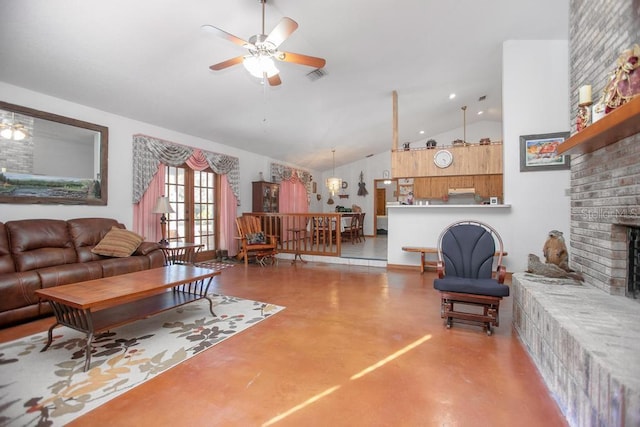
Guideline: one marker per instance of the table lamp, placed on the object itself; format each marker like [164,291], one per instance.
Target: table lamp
[163,207]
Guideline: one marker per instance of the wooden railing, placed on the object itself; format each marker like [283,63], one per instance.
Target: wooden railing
[310,233]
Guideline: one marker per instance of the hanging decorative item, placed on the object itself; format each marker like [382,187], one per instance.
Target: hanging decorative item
[362,190]
[330,201]
[334,183]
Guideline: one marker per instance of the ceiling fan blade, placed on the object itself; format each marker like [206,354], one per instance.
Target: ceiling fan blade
[221,33]
[274,80]
[285,27]
[297,58]
[228,63]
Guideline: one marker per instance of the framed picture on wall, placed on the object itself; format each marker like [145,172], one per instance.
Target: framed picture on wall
[540,152]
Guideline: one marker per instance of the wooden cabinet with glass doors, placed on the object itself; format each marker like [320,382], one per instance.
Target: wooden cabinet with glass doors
[265,196]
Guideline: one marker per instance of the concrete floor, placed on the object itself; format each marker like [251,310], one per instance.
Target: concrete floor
[355,346]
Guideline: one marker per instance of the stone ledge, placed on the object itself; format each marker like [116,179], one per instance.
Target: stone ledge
[586,345]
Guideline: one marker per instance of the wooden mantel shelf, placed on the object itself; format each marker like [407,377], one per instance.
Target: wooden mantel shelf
[622,122]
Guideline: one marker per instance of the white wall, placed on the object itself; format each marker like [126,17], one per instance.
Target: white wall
[535,100]
[121,130]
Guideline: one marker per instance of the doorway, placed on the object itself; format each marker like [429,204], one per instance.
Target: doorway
[193,197]
[386,192]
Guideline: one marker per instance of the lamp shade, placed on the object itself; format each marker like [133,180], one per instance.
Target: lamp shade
[163,206]
[257,65]
[334,184]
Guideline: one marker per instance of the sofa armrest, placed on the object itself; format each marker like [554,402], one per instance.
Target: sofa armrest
[146,247]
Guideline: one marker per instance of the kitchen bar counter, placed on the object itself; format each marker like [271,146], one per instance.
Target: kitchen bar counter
[421,225]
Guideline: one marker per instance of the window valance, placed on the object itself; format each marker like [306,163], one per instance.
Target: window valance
[149,152]
[285,173]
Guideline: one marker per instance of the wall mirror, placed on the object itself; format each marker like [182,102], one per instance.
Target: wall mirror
[47,158]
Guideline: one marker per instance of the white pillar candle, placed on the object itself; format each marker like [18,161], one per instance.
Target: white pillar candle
[585,95]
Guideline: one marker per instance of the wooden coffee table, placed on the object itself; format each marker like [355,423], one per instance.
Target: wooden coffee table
[102,304]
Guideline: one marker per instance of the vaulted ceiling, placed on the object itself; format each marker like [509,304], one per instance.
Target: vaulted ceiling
[148,60]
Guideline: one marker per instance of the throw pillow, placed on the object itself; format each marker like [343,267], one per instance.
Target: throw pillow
[255,238]
[118,242]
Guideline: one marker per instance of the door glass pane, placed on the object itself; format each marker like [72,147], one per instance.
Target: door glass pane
[175,181]
[204,209]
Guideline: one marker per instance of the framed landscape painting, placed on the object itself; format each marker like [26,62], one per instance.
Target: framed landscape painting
[540,152]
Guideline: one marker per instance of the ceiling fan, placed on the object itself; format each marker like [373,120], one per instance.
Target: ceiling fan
[263,49]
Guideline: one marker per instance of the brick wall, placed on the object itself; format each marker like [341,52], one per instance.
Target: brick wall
[605,185]
[599,30]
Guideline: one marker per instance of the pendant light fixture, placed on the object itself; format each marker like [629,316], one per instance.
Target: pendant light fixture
[334,183]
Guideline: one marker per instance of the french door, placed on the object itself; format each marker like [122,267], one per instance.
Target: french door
[193,196]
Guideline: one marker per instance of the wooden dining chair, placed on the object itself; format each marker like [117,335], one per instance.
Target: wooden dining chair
[361,226]
[351,230]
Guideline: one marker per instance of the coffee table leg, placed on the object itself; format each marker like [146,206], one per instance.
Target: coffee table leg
[87,357]
[210,305]
[50,336]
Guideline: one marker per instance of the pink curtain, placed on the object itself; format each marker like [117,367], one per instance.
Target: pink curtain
[293,197]
[228,212]
[145,222]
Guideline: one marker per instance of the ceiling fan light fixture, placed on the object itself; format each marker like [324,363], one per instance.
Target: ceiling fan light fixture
[257,66]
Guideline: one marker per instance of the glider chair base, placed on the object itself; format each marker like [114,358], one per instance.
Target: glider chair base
[490,306]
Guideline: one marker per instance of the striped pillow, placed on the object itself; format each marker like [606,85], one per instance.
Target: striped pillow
[118,242]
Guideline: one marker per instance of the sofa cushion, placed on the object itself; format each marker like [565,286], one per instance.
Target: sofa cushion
[17,290]
[70,273]
[146,248]
[6,260]
[118,243]
[40,243]
[87,233]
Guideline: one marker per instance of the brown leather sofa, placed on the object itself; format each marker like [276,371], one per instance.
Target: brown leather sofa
[41,253]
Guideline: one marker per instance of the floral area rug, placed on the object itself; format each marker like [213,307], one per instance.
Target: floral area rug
[51,388]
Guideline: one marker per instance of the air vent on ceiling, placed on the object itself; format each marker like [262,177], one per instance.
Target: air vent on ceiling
[316,74]
[482,98]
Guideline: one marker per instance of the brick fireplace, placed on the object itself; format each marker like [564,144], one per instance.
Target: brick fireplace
[585,339]
[605,201]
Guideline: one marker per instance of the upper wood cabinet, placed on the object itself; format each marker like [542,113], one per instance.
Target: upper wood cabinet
[265,196]
[472,159]
[438,186]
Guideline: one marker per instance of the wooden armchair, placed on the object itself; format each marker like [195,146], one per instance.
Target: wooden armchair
[253,239]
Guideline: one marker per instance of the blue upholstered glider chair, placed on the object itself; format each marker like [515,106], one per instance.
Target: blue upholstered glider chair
[466,251]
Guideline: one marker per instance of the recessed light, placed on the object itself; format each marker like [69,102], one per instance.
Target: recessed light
[421,132]
[451,96]
[480,112]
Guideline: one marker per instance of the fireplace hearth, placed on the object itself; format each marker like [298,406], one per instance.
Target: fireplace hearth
[633,280]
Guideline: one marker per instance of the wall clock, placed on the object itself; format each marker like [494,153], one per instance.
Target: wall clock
[443,159]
